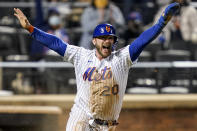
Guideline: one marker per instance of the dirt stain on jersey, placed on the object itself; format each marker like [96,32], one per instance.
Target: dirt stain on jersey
[104,96]
[81,126]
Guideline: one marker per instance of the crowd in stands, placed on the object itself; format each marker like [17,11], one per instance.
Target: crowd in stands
[75,24]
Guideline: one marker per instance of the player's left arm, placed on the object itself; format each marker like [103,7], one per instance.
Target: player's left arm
[150,34]
[46,39]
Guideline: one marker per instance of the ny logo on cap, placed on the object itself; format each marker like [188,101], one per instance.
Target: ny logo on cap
[107,28]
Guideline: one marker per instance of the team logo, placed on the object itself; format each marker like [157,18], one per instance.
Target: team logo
[102,30]
[92,75]
[107,28]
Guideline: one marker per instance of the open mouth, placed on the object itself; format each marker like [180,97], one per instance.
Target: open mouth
[106,47]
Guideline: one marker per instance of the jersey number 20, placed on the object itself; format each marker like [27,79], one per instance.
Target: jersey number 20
[110,90]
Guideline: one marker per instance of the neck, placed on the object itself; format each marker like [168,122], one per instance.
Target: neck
[98,55]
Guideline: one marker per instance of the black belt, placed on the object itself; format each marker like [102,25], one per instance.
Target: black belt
[105,122]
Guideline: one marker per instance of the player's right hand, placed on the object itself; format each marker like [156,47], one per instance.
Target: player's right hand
[22,18]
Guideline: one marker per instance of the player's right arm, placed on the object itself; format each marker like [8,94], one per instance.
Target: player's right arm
[46,39]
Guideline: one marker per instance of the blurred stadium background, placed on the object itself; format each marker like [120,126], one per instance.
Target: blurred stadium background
[37,94]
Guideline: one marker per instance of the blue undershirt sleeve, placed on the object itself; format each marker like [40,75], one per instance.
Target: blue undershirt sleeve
[144,39]
[50,41]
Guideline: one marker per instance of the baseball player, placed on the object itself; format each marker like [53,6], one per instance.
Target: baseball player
[101,73]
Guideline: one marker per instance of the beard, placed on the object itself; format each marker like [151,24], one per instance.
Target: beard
[99,49]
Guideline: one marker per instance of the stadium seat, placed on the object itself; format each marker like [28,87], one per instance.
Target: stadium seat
[144,56]
[142,80]
[142,90]
[174,90]
[153,48]
[174,80]
[173,55]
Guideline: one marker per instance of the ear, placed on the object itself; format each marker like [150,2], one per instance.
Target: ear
[94,41]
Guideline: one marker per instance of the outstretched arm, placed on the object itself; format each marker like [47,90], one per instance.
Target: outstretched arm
[46,39]
[150,34]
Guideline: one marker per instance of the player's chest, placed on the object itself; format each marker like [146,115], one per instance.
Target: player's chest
[97,70]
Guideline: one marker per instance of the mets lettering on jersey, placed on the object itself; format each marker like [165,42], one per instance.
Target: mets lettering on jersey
[106,73]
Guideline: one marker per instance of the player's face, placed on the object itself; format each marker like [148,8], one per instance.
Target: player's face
[103,45]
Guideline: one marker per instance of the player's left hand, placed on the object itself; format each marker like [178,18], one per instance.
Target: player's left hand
[169,12]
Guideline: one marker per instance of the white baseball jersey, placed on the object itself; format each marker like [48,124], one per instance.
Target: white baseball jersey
[101,84]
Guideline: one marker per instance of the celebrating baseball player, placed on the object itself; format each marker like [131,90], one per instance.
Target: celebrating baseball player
[101,73]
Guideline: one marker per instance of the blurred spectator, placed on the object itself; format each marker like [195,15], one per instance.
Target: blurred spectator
[52,24]
[21,85]
[183,25]
[161,3]
[55,28]
[148,7]
[134,26]
[57,0]
[186,22]
[100,11]
[128,5]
